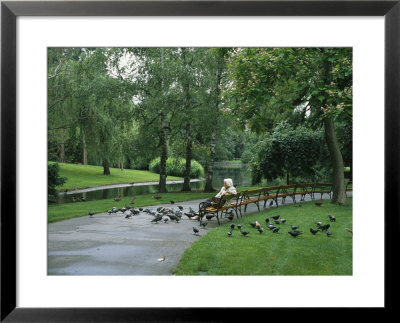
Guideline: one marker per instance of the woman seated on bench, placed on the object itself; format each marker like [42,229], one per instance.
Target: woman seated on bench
[227,189]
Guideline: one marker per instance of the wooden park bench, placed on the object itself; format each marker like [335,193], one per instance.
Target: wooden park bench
[304,189]
[322,188]
[227,202]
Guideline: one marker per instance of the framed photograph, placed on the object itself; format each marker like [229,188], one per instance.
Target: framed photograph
[30,30]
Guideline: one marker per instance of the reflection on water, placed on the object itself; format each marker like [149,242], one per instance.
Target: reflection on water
[240,175]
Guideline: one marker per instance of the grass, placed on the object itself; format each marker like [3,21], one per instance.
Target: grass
[83,176]
[275,253]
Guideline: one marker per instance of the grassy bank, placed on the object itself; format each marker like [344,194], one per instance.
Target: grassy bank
[83,176]
[275,253]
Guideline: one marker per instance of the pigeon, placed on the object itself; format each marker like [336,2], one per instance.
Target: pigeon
[128,216]
[159,209]
[196,231]
[204,224]
[232,226]
[244,233]
[189,215]
[91,213]
[123,210]
[239,226]
[271,226]
[313,231]
[258,225]
[172,217]
[267,220]
[172,202]
[132,201]
[318,204]
[109,211]
[253,224]
[325,227]
[157,197]
[117,199]
[277,222]
[261,230]
[128,207]
[230,233]
[141,209]
[275,217]
[332,218]
[319,224]
[294,227]
[191,210]
[135,212]
[161,259]
[114,209]
[166,219]
[349,230]
[157,218]
[275,230]
[295,233]
[283,220]
[328,233]
[180,207]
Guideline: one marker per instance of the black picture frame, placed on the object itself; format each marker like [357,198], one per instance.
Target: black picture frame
[10,10]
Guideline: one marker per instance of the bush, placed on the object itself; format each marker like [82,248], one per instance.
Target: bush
[54,180]
[176,167]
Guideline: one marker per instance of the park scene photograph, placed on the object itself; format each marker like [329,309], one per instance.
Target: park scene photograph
[189,161]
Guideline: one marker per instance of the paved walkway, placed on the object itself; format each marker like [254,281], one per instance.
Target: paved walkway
[113,245]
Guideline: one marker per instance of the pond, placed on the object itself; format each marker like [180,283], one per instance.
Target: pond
[239,173]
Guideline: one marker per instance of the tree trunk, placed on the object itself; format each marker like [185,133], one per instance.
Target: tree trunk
[62,146]
[339,189]
[85,154]
[210,167]
[189,143]
[287,178]
[106,167]
[162,186]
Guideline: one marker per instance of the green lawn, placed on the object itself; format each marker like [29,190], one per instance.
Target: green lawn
[83,176]
[275,253]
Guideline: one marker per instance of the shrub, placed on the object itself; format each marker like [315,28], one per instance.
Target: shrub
[54,179]
[176,167]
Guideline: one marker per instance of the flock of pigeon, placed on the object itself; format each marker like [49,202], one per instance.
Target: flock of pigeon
[294,232]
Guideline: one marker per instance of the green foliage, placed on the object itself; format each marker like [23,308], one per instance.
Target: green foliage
[176,167]
[54,180]
[290,152]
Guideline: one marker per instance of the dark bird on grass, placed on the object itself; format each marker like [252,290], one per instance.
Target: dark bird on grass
[328,233]
[261,230]
[267,220]
[253,224]
[271,203]
[196,231]
[313,231]
[271,226]
[349,231]
[277,222]
[325,227]
[295,233]
[180,207]
[230,233]
[318,204]
[283,220]
[204,224]
[258,225]
[319,224]
[244,233]
[239,226]
[157,218]
[91,213]
[332,218]
[275,230]
[275,217]
[172,202]
[294,227]
[232,226]
[157,197]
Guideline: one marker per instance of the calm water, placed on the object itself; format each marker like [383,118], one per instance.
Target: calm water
[240,175]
